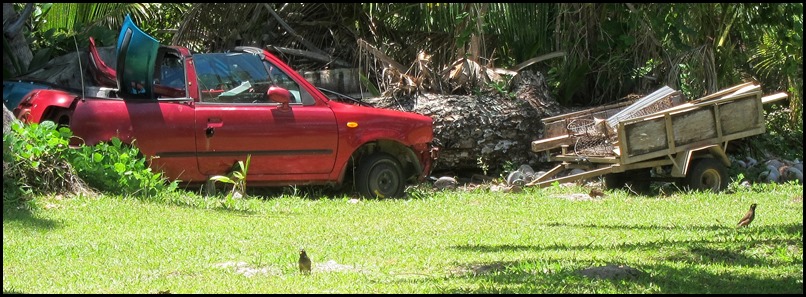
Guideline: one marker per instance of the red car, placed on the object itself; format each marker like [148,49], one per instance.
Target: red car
[195,115]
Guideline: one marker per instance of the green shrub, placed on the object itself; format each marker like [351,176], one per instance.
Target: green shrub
[118,168]
[782,139]
[37,159]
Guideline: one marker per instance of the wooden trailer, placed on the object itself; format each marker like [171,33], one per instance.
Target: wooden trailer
[657,138]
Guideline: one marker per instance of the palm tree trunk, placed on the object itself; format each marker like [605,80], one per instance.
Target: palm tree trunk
[16,51]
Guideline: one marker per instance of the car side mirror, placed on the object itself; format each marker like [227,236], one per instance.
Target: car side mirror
[279,95]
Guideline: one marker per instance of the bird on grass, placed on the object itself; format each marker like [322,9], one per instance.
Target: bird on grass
[304,262]
[596,193]
[748,217]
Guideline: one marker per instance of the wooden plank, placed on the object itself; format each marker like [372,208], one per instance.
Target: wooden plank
[667,119]
[645,136]
[693,126]
[716,97]
[719,120]
[687,107]
[740,115]
[722,92]
[574,177]
[550,143]
[548,174]
[587,111]
[774,97]
[575,158]
[625,159]
[647,164]
[743,91]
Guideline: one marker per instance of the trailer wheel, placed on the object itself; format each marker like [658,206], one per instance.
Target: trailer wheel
[380,176]
[707,174]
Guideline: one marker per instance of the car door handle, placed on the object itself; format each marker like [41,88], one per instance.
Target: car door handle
[215,122]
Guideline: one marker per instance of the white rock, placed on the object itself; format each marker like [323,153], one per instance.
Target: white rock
[769,176]
[526,169]
[791,173]
[445,182]
[751,162]
[798,166]
[576,171]
[775,163]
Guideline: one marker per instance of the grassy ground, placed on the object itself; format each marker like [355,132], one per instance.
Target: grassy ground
[476,241]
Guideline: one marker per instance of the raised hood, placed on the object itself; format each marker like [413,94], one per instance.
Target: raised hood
[136,56]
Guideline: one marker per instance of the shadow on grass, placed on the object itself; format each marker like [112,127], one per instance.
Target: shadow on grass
[26,218]
[522,278]
[731,238]
[672,274]
[643,227]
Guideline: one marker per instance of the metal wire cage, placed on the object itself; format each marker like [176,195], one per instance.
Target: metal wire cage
[592,138]
[664,103]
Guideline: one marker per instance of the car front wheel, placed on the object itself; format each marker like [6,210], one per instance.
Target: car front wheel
[380,176]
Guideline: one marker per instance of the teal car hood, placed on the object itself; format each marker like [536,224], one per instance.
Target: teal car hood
[137,54]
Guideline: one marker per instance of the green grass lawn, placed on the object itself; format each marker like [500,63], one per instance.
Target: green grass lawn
[477,241]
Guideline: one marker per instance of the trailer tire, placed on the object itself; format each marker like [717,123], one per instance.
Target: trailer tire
[707,174]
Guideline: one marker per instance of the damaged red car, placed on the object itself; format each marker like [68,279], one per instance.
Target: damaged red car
[195,115]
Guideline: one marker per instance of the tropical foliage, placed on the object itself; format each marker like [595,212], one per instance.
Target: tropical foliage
[608,50]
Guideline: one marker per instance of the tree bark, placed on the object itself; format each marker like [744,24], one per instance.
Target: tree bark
[485,132]
[20,55]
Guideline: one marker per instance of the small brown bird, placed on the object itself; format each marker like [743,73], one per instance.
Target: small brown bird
[304,262]
[596,193]
[748,217]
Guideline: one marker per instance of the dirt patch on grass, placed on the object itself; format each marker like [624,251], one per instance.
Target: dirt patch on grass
[248,271]
[577,197]
[333,266]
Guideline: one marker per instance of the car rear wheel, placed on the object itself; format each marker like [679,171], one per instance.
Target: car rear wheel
[707,174]
[380,176]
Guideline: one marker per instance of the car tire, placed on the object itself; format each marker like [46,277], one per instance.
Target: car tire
[380,176]
[707,174]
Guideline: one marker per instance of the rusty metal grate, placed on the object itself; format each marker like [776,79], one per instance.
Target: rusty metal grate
[593,146]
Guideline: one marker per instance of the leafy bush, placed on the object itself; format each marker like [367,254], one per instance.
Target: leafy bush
[119,168]
[782,139]
[37,159]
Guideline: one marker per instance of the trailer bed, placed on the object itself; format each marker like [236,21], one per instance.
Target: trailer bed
[663,131]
